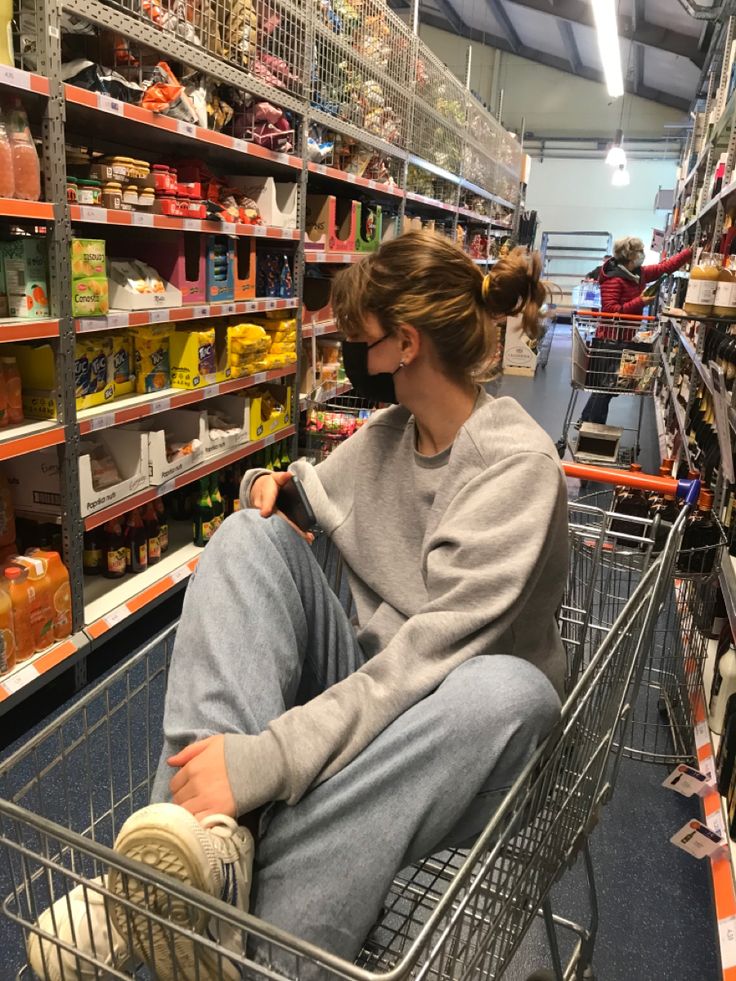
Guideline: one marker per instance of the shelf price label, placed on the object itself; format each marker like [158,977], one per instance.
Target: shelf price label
[240,145]
[89,213]
[102,422]
[20,679]
[181,573]
[18,79]
[158,316]
[116,616]
[201,312]
[142,219]
[117,320]
[160,405]
[228,308]
[186,129]
[192,224]
[260,230]
[106,104]
[260,378]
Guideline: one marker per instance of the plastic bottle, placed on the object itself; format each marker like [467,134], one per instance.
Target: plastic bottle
[724,685]
[13,390]
[7,514]
[701,290]
[18,591]
[152,534]
[57,577]
[114,560]
[7,178]
[136,543]
[724,302]
[41,597]
[7,630]
[93,557]
[26,166]
[159,506]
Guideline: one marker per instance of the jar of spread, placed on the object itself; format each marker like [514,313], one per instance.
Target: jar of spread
[89,192]
[146,197]
[701,290]
[71,190]
[166,204]
[161,177]
[112,195]
[130,195]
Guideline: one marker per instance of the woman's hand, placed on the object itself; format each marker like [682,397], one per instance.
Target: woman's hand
[263,493]
[202,785]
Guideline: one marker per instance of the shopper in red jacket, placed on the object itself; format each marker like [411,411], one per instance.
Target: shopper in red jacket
[622,279]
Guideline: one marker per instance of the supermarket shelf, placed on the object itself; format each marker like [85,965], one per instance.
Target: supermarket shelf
[140,406]
[16,78]
[140,219]
[728,587]
[318,330]
[701,368]
[326,395]
[169,130]
[340,257]
[26,210]
[474,216]
[138,318]
[29,436]
[332,173]
[725,193]
[675,313]
[108,603]
[433,203]
[189,476]
[660,426]
[27,330]
[679,411]
[29,675]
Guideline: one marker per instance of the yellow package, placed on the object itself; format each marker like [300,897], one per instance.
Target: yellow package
[123,363]
[152,364]
[285,348]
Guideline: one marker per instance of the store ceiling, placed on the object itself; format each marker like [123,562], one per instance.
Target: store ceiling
[663,46]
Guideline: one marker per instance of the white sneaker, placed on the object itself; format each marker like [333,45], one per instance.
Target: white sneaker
[215,857]
[83,924]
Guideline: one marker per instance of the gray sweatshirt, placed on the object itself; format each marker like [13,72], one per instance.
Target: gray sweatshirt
[448,557]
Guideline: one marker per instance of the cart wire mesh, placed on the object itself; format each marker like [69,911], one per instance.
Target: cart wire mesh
[455,916]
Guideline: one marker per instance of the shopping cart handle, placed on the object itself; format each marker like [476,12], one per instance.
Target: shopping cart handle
[687,490]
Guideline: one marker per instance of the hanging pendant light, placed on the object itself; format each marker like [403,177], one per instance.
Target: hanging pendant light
[621,176]
[617,155]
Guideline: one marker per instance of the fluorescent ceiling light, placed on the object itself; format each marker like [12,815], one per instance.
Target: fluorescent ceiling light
[616,155]
[621,177]
[604,13]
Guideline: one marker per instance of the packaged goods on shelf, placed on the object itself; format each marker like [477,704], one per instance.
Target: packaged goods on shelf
[134,285]
[276,201]
[275,277]
[247,347]
[25,277]
[270,410]
[198,357]
[331,223]
[369,227]
[152,357]
[26,168]
[129,453]
[35,483]
[90,290]
[224,424]
[93,370]
[220,269]
[181,258]
[173,444]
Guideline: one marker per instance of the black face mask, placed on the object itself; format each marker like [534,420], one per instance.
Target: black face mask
[376,388]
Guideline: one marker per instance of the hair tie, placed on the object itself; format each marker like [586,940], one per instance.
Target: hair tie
[485,287]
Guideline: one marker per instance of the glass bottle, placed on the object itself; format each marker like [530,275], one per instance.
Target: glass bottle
[701,290]
[203,515]
[150,522]
[136,544]
[698,552]
[93,556]
[114,562]
[630,501]
[162,514]
[218,508]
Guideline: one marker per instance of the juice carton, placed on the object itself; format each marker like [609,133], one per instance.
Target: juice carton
[7,660]
[58,584]
[18,589]
[90,296]
[40,598]
[26,279]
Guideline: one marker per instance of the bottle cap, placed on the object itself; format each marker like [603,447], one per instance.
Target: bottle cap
[636,467]
[12,572]
[705,501]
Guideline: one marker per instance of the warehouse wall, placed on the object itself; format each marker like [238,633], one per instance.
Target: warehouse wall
[552,102]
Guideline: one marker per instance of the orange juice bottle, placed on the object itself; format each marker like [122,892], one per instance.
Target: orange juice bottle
[40,598]
[7,632]
[58,585]
[13,390]
[17,579]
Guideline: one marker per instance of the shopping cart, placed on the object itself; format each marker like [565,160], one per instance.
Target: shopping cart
[611,355]
[457,915]
[331,421]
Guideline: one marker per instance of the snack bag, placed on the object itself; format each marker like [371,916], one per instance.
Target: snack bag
[123,363]
[92,357]
[152,366]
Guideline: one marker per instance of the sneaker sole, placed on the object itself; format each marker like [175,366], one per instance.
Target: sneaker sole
[159,838]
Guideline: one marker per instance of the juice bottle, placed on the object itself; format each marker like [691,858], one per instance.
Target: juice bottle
[152,534]
[159,506]
[18,591]
[7,632]
[701,290]
[114,559]
[41,598]
[7,514]
[13,390]
[61,598]
[136,543]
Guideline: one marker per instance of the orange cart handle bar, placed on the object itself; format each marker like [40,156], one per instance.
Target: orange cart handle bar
[687,490]
[614,316]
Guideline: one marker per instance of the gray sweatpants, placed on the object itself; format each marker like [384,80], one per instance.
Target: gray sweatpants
[262,631]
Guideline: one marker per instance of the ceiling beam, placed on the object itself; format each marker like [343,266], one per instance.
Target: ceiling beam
[571,48]
[580,12]
[552,61]
[637,14]
[638,80]
[499,12]
[450,14]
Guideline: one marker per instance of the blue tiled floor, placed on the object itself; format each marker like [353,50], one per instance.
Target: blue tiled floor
[656,913]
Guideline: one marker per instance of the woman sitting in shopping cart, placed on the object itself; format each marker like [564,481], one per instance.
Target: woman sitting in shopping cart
[622,279]
[350,752]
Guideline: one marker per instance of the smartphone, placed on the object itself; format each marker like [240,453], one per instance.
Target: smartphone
[293,502]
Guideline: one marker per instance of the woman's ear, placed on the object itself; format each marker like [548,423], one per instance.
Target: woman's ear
[410,343]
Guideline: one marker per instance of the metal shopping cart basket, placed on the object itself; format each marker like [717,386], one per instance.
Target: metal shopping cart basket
[457,915]
[331,419]
[611,355]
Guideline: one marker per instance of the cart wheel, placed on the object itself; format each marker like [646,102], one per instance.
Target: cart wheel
[561,445]
[543,974]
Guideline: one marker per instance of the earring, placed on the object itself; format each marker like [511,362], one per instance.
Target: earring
[401,364]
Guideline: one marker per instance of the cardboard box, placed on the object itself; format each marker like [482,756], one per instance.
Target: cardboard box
[124,298]
[37,367]
[129,450]
[26,277]
[90,290]
[244,269]
[276,201]
[190,351]
[317,308]
[180,427]
[275,403]
[331,223]
[235,408]
[34,481]
[181,258]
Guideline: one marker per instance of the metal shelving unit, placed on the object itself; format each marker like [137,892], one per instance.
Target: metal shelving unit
[372,81]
